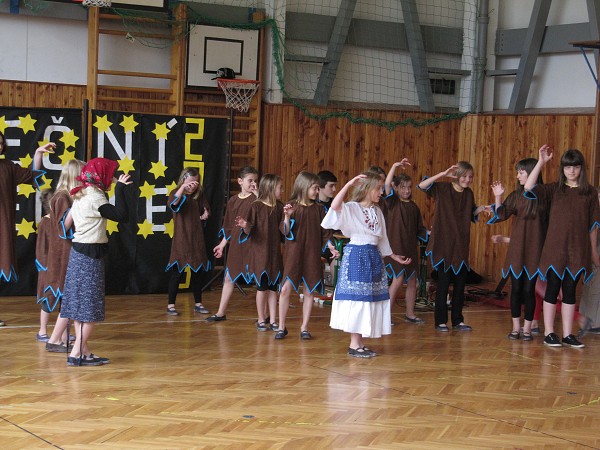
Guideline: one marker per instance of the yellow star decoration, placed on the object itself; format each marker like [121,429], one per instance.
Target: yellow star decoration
[27,123]
[170,228]
[69,139]
[46,182]
[161,131]
[128,124]
[26,190]
[3,124]
[25,228]
[66,157]
[145,228]
[158,169]
[112,226]
[126,165]
[102,124]
[26,161]
[171,187]
[147,190]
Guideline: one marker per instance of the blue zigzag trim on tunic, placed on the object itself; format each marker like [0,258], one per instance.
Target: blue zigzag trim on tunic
[391,273]
[441,261]
[40,267]
[495,217]
[289,235]
[512,272]
[310,290]
[178,206]
[244,276]
[57,297]
[586,277]
[252,277]
[206,267]
[9,277]
[65,234]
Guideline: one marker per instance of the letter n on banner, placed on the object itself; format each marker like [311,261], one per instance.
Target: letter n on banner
[153,150]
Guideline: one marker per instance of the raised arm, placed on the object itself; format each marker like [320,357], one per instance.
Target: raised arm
[392,172]
[545,153]
[338,200]
[449,172]
[39,154]
[498,190]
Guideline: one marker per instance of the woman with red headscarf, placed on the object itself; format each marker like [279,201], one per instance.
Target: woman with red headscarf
[83,299]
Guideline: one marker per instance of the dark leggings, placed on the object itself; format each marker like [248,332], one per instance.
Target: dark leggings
[569,286]
[522,293]
[458,296]
[196,283]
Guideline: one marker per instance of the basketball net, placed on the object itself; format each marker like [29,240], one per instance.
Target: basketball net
[98,3]
[238,93]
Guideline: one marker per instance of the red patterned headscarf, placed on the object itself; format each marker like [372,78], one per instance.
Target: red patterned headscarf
[97,172]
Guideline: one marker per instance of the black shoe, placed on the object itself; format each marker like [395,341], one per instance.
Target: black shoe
[462,327]
[514,335]
[442,328]
[261,326]
[415,320]
[526,336]
[56,348]
[83,361]
[274,326]
[552,340]
[359,353]
[215,318]
[172,312]
[201,309]
[281,334]
[368,350]
[305,335]
[571,341]
[99,358]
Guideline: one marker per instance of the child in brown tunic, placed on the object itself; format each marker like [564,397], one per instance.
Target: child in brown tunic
[188,249]
[11,175]
[404,224]
[60,248]
[41,263]
[570,246]
[262,238]
[448,245]
[235,269]
[529,223]
[305,242]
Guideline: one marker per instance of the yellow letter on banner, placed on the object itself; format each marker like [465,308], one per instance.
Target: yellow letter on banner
[191,159]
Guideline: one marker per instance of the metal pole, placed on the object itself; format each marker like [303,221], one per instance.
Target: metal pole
[483,19]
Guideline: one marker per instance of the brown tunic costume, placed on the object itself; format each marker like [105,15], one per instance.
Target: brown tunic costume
[305,241]
[237,255]
[11,175]
[567,249]
[526,237]
[448,245]
[404,225]
[188,247]
[59,246]
[42,246]
[263,245]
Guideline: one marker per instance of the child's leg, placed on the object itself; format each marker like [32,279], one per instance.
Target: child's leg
[411,297]
[173,287]
[458,297]
[394,288]
[83,331]
[529,297]
[197,283]
[550,298]
[356,341]
[261,301]
[306,309]
[59,332]
[226,293]
[284,302]
[441,294]
[44,319]
[569,288]
[516,294]
[272,300]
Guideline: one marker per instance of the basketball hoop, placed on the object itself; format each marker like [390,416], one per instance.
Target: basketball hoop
[238,93]
[98,3]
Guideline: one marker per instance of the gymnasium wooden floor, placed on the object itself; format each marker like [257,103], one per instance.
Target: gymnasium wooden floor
[179,383]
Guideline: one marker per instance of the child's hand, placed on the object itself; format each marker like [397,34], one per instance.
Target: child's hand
[334,253]
[204,215]
[401,259]
[545,153]
[47,148]
[240,222]
[190,185]
[125,179]
[401,164]
[288,210]
[451,171]
[497,188]
[218,251]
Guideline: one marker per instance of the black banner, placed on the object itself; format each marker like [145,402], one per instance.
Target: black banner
[25,130]
[154,150]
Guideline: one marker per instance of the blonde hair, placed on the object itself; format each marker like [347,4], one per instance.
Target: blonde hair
[190,172]
[303,182]
[266,189]
[365,185]
[70,171]
[463,168]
